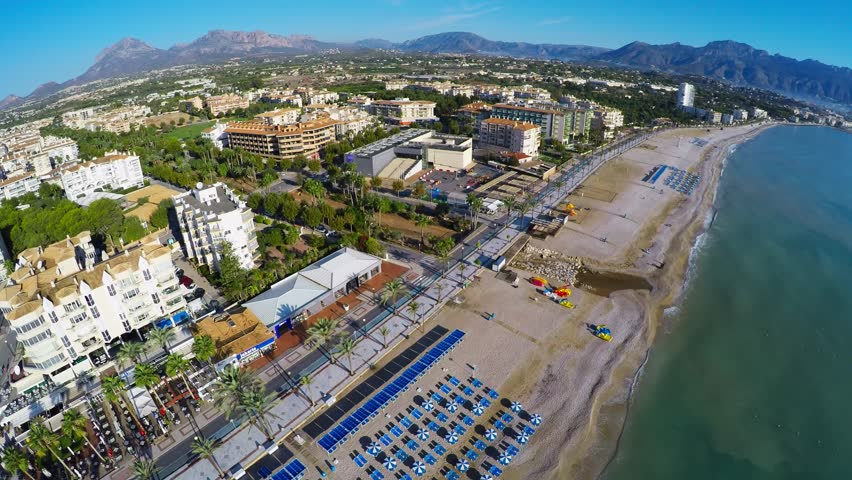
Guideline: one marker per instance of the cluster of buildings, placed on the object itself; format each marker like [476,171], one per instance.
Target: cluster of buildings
[115,120]
[686,102]
[407,153]
[400,111]
[114,171]
[68,303]
[520,138]
[27,158]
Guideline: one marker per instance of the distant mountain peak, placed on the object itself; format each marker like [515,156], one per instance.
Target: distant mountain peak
[125,47]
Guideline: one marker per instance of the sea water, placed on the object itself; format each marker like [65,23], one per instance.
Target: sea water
[752,379]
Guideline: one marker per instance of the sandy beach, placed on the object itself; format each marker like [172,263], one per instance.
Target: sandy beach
[541,354]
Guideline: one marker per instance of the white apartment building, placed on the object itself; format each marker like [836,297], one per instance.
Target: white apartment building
[403,111]
[225,103]
[685,95]
[740,115]
[284,116]
[114,170]
[217,135]
[514,136]
[758,113]
[209,216]
[607,119]
[66,309]
[321,96]
[14,187]
[396,84]
[350,120]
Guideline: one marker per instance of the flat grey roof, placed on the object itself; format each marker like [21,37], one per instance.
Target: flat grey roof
[224,205]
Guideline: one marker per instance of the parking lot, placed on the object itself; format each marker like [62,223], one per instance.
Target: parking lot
[460,183]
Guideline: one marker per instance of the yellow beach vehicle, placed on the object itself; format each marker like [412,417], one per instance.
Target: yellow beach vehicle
[566,304]
[603,333]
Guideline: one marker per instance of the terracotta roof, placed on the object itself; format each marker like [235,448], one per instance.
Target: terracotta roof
[256,128]
[511,123]
[12,180]
[275,113]
[403,102]
[235,334]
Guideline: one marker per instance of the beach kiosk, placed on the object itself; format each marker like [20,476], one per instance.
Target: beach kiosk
[498,263]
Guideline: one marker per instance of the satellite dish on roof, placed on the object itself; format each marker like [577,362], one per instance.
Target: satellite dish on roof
[199,185]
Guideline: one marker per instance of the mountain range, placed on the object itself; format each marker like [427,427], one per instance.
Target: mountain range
[730,61]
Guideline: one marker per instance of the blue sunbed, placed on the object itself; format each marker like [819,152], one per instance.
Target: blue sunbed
[360,461]
[396,431]
[412,445]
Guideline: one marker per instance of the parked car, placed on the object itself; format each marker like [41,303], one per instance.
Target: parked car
[198,293]
[322,229]
[187,282]
[179,272]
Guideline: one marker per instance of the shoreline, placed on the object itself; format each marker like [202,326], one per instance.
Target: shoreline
[593,418]
[673,281]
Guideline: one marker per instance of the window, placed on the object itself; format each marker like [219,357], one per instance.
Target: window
[79,318]
[29,342]
[107,336]
[111,290]
[131,294]
[31,325]
[89,300]
[155,297]
[146,274]
[53,317]
[66,341]
[95,312]
[70,307]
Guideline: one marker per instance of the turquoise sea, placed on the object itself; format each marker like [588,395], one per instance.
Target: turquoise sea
[752,378]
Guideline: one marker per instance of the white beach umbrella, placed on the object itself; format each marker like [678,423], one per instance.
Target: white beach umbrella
[419,468]
[523,438]
[390,464]
[517,407]
[422,434]
[478,410]
[428,405]
[486,476]
[374,449]
[452,438]
[491,434]
[536,420]
[452,407]
[463,465]
[505,458]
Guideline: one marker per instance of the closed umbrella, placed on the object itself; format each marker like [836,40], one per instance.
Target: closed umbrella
[517,407]
[419,468]
[505,458]
[390,464]
[536,420]
[491,434]
[422,434]
[452,407]
[374,449]
[463,465]
[452,438]
[478,410]
[428,405]
[523,438]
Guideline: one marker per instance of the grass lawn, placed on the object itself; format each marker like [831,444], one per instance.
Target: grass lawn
[189,131]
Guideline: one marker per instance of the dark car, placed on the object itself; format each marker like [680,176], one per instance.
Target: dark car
[187,282]
[179,272]
[198,293]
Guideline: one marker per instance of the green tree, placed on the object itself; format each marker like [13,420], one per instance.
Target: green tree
[129,352]
[422,221]
[145,469]
[45,443]
[347,347]
[253,403]
[322,332]
[204,349]
[383,331]
[306,381]
[419,190]
[312,216]
[376,183]
[145,376]
[394,289]
[314,188]
[474,203]
[114,389]
[177,365]
[413,308]
[161,337]
[228,387]
[231,275]
[314,165]
[160,217]
[75,428]
[15,462]
[204,448]
[398,186]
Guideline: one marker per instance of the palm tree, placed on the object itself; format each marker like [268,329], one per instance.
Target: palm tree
[322,332]
[204,349]
[422,221]
[510,203]
[44,442]
[228,388]
[74,427]
[306,382]
[346,347]
[383,331]
[161,337]
[393,290]
[475,204]
[129,352]
[145,376]
[204,447]
[462,268]
[444,258]
[440,288]
[253,403]
[176,365]
[412,309]
[115,388]
[145,469]
[15,461]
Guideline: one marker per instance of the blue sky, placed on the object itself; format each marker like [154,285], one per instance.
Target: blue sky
[59,39]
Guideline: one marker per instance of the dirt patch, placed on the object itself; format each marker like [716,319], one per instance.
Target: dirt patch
[167,118]
[596,193]
[155,195]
